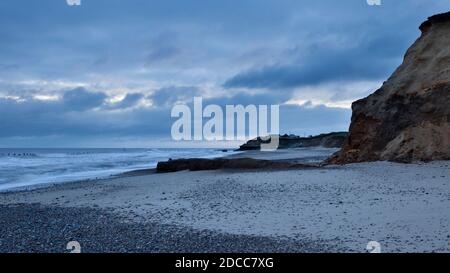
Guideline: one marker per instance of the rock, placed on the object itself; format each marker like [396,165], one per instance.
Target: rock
[201,164]
[331,140]
[408,118]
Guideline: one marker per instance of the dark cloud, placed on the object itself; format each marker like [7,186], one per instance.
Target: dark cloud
[164,47]
[161,54]
[109,45]
[26,118]
[52,40]
[36,118]
[371,58]
[80,99]
[168,96]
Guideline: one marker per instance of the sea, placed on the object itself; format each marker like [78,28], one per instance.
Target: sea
[29,168]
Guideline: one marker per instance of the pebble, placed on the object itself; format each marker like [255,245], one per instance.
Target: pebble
[34,228]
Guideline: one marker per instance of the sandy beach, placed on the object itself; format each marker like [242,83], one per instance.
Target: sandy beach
[198,127]
[404,207]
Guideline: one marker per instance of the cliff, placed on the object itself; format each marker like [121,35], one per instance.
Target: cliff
[331,140]
[408,118]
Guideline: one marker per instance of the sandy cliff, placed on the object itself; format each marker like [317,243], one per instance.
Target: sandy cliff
[408,118]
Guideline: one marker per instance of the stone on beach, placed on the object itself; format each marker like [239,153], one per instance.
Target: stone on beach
[201,164]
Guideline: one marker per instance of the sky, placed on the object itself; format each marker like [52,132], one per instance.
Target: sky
[107,73]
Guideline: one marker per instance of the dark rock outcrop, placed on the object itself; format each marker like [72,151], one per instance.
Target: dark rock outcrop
[331,140]
[408,118]
[201,164]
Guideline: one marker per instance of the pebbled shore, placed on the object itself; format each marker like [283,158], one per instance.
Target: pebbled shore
[35,228]
[404,207]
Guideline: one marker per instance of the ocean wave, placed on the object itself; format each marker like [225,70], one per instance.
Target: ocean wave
[62,165]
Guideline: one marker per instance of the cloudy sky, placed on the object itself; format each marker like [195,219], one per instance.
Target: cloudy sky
[106,73]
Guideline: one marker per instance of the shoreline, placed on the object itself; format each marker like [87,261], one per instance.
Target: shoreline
[138,172]
[338,208]
[45,167]
[288,155]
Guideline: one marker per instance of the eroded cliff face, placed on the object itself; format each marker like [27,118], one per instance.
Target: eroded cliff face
[408,118]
